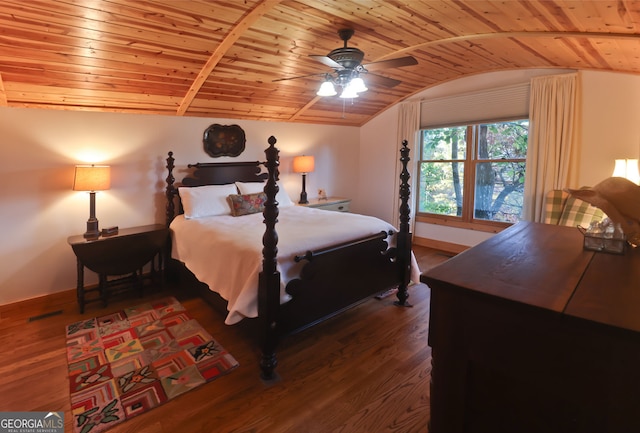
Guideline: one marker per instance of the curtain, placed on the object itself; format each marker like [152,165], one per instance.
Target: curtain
[408,127]
[553,137]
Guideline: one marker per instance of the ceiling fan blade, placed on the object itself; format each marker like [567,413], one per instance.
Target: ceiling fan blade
[326,61]
[379,79]
[391,63]
[300,76]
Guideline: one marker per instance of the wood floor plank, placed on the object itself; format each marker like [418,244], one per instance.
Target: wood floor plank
[366,370]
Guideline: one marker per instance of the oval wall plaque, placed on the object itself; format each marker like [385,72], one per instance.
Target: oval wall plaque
[224,140]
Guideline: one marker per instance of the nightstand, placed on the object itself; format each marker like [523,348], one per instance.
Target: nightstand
[121,255]
[338,204]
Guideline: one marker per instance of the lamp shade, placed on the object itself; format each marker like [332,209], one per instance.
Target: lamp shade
[326,89]
[627,168]
[92,178]
[358,85]
[349,92]
[303,164]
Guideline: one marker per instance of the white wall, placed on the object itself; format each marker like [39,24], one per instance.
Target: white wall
[377,166]
[39,149]
[610,130]
[610,123]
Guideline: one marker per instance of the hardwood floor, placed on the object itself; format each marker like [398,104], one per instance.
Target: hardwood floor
[366,370]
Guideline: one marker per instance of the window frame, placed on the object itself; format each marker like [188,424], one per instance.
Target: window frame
[471,160]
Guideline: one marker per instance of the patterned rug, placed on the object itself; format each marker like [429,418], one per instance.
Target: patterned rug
[126,363]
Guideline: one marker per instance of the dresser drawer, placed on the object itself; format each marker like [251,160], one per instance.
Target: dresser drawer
[342,206]
[336,204]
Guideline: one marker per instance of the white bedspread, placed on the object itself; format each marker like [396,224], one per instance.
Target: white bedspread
[225,252]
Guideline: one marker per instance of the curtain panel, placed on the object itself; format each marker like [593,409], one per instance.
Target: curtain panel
[408,128]
[553,137]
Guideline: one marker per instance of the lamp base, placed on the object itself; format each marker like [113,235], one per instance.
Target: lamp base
[303,194]
[92,229]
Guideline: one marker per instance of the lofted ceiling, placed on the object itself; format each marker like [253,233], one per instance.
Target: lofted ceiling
[219,58]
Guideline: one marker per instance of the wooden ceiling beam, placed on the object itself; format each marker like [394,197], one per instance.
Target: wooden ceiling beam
[301,111]
[503,35]
[3,94]
[255,14]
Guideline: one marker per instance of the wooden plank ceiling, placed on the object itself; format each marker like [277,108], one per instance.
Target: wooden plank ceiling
[220,58]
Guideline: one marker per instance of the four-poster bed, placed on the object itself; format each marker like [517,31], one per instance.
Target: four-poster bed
[299,282]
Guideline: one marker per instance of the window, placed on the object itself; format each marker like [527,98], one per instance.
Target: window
[473,173]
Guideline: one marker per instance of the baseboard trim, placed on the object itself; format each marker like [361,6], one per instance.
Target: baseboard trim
[440,245]
[56,298]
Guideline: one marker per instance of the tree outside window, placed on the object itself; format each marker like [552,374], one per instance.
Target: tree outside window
[474,172]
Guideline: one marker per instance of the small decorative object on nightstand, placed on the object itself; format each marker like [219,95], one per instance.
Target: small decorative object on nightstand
[122,255]
[338,204]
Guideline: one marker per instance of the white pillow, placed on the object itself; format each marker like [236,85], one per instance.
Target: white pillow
[253,187]
[250,187]
[283,198]
[208,200]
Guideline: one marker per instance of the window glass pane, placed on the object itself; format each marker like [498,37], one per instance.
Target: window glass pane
[498,164]
[504,140]
[440,190]
[444,143]
[499,191]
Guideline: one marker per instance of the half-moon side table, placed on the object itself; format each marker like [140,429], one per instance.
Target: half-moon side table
[122,255]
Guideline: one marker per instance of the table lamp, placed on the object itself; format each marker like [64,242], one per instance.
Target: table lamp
[92,178]
[303,164]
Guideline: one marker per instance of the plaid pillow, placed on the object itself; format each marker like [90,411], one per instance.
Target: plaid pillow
[245,204]
[579,213]
[554,205]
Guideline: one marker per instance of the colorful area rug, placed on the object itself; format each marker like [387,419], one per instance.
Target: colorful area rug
[126,363]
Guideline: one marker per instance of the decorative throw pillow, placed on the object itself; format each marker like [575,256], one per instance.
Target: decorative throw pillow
[554,203]
[282,197]
[577,212]
[207,200]
[245,204]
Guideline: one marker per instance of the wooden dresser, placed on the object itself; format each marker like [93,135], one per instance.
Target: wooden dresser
[531,333]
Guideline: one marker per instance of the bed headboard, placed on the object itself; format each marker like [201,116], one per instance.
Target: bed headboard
[209,173]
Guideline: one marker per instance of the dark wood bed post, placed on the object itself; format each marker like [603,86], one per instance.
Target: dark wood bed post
[170,191]
[269,280]
[170,269]
[403,241]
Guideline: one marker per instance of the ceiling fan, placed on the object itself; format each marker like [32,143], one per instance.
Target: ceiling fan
[348,69]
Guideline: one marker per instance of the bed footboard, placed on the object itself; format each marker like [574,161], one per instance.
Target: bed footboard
[337,278]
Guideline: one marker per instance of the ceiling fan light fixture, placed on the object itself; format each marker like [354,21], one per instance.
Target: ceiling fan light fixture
[358,85]
[327,89]
[347,66]
[349,92]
